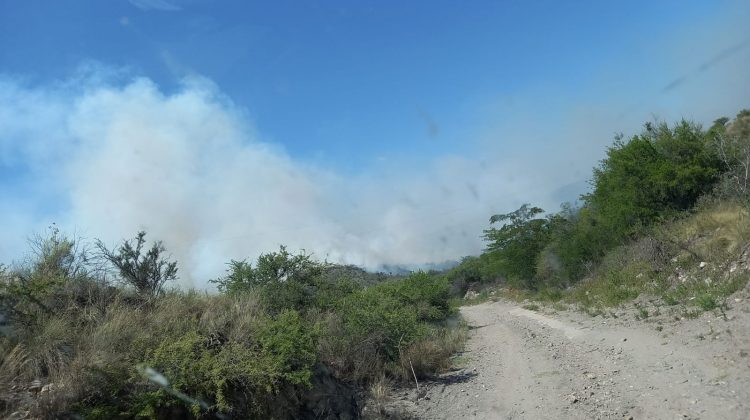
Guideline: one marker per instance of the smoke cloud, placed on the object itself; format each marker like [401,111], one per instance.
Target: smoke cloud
[108,159]
[103,155]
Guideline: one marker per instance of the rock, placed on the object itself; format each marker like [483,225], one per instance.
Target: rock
[703,264]
[624,339]
[470,294]
[573,398]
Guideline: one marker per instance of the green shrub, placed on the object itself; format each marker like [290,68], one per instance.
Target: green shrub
[377,318]
[288,348]
[550,294]
[330,291]
[518,242]
[283,280]
[653,174]
[427,293]
[706,301]
[29,292]
[194,365]
[375,326]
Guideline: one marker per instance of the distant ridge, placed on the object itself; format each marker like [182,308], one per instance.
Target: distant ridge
[403,269]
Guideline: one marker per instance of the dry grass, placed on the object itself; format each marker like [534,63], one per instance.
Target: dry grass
[714,233]
[687,261]
[432,354]
[357,361]
[86,349]
[379,390]
[82,348]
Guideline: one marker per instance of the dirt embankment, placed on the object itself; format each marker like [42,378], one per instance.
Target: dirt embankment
[522,364]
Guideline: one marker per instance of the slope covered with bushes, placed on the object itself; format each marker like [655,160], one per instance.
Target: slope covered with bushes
[289,337]
[663,204]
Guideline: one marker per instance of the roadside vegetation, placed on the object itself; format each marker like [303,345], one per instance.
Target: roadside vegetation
[98,335]
[667,216]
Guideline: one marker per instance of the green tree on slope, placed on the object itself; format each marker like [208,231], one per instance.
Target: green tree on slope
[518,242]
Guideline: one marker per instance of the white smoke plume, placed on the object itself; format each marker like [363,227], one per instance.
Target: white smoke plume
[107,160]
[103,154]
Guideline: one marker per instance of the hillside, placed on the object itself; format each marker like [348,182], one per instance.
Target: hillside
[288,337]
[658,252]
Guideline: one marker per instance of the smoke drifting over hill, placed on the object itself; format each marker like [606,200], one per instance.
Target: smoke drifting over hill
[189,168]
[105,154]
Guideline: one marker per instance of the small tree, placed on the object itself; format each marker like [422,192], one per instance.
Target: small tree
[733,146]
[282,279]
[518,242]
[146,272]
[271,268]
[55,261]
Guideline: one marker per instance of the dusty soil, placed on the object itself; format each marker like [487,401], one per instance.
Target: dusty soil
[522,364]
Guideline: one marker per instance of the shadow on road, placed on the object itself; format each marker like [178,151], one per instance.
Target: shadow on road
[452,378]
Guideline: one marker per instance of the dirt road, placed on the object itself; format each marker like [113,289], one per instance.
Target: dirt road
[523,364]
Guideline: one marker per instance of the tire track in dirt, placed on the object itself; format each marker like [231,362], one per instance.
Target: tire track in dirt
[526,365]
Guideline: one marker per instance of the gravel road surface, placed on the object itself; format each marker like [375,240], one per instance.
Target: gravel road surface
[523,364]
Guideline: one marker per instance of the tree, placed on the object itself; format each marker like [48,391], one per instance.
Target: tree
[518,242]
[732,143]
[283,280]
[656,173]
[578,239]
[146,272]
[57,260]
[270,268]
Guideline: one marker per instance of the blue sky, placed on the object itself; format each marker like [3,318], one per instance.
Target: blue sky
[346,81]
[506,101]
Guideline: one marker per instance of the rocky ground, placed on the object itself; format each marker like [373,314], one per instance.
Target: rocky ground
[559,364]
